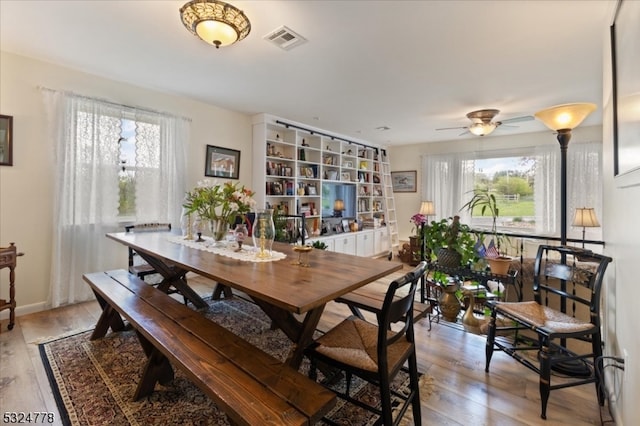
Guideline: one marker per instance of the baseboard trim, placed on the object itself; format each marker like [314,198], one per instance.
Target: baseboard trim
[25,309]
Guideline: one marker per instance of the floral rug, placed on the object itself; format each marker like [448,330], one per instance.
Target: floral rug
[93,381]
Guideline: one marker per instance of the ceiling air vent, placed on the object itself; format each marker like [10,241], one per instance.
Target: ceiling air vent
[285,38]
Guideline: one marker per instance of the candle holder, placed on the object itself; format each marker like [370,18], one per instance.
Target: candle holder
[303,256]
[264,232]
[189,235]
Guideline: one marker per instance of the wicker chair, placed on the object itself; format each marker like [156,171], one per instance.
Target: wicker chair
[376,353]
[566,311]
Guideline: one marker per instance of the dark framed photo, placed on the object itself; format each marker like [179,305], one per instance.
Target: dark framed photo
[6,140]
[404,181]
[222,162]
[625,68]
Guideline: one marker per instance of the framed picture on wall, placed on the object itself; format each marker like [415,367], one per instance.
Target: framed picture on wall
[6,140]
[222,162]
[625,61]
[404,181]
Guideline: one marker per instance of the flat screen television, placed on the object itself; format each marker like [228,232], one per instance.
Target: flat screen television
[339,191]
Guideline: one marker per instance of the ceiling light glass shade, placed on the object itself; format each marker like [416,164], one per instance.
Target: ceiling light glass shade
[585,217]
[215,22]
[565,117]
[427,208]
[482,129]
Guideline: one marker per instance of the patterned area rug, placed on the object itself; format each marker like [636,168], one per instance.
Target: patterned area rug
[93,382]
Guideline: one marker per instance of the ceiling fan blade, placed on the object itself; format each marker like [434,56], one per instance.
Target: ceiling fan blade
[517,119]
[466,132]
[451,128]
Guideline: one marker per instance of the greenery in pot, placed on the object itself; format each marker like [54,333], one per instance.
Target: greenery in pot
[317,244]
[486,201]
[451,234]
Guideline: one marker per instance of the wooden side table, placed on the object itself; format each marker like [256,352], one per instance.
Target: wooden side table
[8,259]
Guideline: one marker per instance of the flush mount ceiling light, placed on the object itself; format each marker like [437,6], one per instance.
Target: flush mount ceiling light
[215,22]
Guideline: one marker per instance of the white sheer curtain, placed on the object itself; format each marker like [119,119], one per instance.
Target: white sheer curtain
[85,134]
[584,187]
[446,180]
[160,191]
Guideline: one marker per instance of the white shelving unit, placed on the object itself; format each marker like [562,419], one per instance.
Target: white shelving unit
[292,161]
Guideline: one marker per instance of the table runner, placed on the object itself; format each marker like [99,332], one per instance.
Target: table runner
[228,249]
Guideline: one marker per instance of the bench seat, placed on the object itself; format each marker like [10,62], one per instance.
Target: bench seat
[249,385]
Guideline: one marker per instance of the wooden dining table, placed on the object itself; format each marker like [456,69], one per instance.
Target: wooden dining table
[293,296]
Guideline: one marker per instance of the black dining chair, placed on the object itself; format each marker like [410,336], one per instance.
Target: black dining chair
[553,327]
[376,352]
[139,267]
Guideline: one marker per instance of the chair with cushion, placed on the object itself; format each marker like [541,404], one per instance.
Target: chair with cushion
[376,353]
[560,329]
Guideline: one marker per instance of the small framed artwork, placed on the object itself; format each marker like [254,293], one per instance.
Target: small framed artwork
[345,225]
[222,162]
[345,176]
[6,140]
[404,181]
[348,164]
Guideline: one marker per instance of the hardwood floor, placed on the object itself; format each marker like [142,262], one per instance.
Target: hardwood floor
[463,393]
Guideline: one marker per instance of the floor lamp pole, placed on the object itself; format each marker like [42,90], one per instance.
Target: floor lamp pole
[564,136]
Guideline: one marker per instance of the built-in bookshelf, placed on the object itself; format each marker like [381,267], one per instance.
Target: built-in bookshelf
[299,169]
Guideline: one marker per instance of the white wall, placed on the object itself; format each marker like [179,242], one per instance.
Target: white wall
[622,292]
[26,188]
[409,157]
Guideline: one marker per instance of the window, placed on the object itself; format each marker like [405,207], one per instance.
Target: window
[101,179]
[132,157]
[511,181]
[526,180]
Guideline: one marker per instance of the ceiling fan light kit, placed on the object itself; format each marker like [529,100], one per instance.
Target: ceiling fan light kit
[482,129]
[215,22]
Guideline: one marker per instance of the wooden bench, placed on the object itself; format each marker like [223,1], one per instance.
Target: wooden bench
[371,297]
[249,385]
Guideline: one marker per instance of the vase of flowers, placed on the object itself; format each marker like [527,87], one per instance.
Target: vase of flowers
[219,204]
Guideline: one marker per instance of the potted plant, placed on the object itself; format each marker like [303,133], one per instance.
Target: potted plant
[450,242]
[320,245]
[498,262]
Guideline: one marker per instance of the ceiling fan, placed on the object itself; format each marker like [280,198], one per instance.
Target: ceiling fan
[482,122]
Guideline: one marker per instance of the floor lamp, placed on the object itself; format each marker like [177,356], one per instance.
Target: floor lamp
[426,209]
[563,119]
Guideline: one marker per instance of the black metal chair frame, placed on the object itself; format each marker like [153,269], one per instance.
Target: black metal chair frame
[143,270]
[552,279]
[395,310]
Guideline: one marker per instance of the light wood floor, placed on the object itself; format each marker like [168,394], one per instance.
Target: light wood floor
[463,393]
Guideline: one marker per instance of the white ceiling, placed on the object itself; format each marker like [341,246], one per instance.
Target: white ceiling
[412,66]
